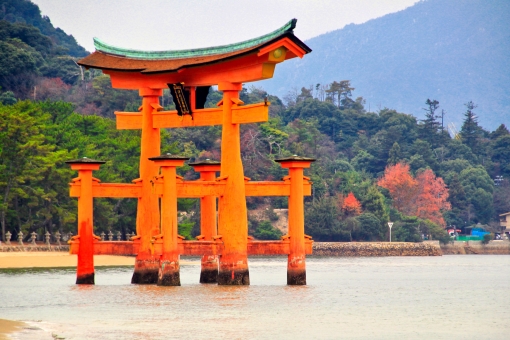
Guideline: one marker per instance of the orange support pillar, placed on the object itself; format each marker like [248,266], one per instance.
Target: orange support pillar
[147,217]
[208,224]
[168,274]
[296,263]
[232,212]
[85,267]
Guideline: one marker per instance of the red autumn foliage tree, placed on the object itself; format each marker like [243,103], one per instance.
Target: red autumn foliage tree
[351,205]
[51,88]
[425,197]
[401,185]
[432,197]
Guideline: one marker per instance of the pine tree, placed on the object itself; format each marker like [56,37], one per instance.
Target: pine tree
[470,131]
[430,126]
[395,155]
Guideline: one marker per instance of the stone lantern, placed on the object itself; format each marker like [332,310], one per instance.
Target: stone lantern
[57,238]
[20,238]
[33,238]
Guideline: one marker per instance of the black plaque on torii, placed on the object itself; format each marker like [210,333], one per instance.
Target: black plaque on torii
[181,98]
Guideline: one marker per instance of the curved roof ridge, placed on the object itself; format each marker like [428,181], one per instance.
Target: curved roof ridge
[101,46]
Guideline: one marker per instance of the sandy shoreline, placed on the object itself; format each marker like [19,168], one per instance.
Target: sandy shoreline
[43,259]
[57,259]
[8,326]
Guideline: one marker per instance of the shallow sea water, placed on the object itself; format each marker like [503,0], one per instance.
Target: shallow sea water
[448,297]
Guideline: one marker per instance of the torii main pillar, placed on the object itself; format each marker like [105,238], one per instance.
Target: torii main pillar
[296,263]
[208,220]
[169,263]
[85,267]
[148,216]
[232,211]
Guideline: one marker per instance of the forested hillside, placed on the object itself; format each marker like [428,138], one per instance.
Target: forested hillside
[451,50]
[372,166]
[33,53]
[25,12]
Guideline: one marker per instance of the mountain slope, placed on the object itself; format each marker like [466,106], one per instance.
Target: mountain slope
[449,50]
[26,12]
[33,52]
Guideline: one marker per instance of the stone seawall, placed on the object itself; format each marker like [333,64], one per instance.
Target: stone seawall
[497,247]
[376,249]
[430,248]
[29,248]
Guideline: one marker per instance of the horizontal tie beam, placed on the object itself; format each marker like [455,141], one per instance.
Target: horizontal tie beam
[253,113]
[187,189]
[111,190]
[189,248]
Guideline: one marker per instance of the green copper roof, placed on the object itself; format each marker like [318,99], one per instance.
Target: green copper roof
[197,52]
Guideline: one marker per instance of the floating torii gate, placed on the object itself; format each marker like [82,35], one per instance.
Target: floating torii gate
[188,74]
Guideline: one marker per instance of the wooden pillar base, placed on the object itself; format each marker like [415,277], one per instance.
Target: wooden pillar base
[233,271]
[296,270]
[85,279]
[169,274]
[209,269]
[146,270]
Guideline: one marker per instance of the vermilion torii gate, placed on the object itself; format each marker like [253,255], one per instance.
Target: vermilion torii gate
[157,243]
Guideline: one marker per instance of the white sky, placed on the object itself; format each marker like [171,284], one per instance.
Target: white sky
[182,24]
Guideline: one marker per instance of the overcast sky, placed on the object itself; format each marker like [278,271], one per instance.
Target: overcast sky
[182,24]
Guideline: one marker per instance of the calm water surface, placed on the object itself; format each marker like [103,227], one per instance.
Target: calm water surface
[448,297]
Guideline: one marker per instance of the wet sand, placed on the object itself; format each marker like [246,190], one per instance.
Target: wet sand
[57,259]
[8,326]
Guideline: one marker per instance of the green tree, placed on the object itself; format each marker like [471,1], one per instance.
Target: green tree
[185,228]
[339,92]
[364,161]
[423,156]
[394,156]
[457,195]
[373,202]
[407,229]
[322,221]
[265,231]
[501,131]
[429,126]
[470,131]
[23,155]
[501,154]
[304,95]
[457,150]
[273,136]
[18,67]
[370,228]
[479,188]
[502,198]
[435,231]
[8,98]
